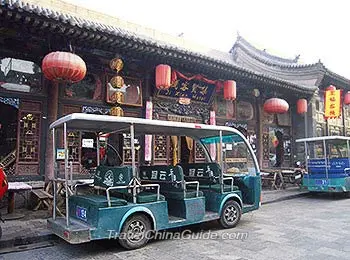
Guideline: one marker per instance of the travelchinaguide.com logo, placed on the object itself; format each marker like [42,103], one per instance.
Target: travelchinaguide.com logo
[183,235]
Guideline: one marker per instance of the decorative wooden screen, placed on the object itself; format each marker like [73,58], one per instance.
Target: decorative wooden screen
[127,150]
[73,139]
[199,153]
[29,138]
[160,148]
[74,144]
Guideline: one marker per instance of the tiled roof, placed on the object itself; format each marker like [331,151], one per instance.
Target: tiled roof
[209,57]
[262,55]
[278,66]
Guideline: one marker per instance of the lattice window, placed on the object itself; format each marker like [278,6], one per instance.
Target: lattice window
[73,139]
[200,155]
[160,147]
[127,158]
[29,137]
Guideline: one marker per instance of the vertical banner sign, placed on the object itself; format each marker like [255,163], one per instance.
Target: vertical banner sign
[212,147]
[148,138]
[332,104]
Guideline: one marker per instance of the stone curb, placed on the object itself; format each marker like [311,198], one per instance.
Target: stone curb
[26,240]
[288,197]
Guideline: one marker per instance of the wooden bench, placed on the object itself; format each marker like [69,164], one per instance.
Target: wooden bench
[272,178]
[45,198]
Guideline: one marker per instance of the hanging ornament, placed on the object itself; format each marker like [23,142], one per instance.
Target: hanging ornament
[116,64]
[347,98]
[163,76]
[276,106]
[302,106]
[230,90]
[117,82]
[117,111]
[63,66]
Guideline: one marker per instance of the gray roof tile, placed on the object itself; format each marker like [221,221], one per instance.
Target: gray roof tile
[220,57]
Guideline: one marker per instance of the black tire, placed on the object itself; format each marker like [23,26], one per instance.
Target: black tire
[135,232]
[230,215]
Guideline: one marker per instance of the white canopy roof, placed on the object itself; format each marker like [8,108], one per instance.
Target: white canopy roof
[321,138]
[106,123]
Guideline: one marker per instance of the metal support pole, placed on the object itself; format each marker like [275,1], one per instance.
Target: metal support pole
[98,149]
[306,128]
[133,163]
[348,148]
[65,169]
[325,157]
[306,161]
[54,174]
[221,163]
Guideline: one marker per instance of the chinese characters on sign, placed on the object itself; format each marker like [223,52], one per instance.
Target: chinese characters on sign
[332,104]
[194,90]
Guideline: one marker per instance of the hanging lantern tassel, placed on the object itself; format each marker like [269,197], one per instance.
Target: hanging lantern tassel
[347,98]
[163,76]
[301,106]
[276,106]
[230,90]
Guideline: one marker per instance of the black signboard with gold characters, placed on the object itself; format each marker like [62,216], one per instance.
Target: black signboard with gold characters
[195,90]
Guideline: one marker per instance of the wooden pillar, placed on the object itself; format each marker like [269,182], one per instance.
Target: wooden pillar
[343,120]
[259,131]
[52,113]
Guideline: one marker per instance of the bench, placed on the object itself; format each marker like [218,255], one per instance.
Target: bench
[117,182]
[208,176]
[171,181]
[105,178]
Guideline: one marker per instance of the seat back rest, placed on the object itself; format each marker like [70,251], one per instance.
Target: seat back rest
[162,174]
[111,176]
[334,166]
[203,172]
[338,165]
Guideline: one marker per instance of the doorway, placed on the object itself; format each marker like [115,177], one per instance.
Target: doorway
[8,135]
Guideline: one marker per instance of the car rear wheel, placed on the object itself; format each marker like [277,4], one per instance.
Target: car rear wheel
[231,214]
[135,232]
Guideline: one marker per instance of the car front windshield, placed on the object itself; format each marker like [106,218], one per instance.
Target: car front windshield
[237,158]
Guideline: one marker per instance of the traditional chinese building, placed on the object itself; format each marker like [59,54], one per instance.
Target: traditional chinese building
[121,60]
[314,77]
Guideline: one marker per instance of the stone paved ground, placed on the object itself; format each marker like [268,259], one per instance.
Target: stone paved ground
[34,222]
[269,196]
[310,227]
[32,225]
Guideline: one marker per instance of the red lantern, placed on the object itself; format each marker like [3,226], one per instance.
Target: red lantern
[302,106]
[347,98]
[163,76]
[63,66]
[230,90]
[276,106]
[3,183]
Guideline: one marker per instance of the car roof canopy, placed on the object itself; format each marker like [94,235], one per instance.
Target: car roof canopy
[321,138]
[108,124]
